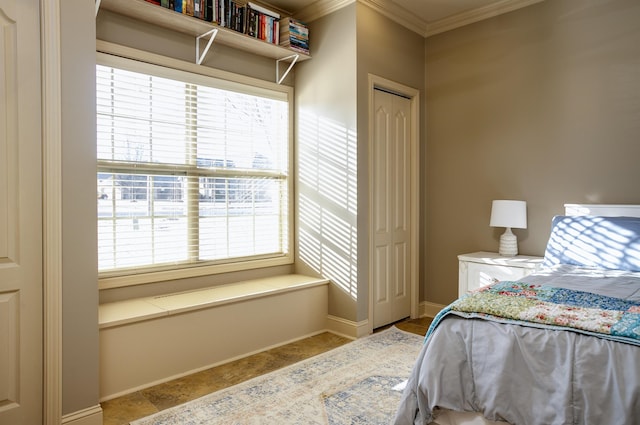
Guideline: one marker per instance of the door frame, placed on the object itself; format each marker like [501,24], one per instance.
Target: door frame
[377,82]
[52,210]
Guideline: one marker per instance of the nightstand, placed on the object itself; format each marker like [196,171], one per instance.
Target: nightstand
[480,269]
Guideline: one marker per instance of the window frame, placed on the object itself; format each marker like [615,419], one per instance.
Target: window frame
[109,54]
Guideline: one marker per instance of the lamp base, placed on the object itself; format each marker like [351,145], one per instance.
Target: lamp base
[508,244]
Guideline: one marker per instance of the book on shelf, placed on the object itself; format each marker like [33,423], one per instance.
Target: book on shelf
[246,17]
[262,26]
[294,35]
[231,14]
[208,11]
[263,10]
[197,12]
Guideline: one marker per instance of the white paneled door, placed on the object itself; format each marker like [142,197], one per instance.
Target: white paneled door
[21,279]
[391,208]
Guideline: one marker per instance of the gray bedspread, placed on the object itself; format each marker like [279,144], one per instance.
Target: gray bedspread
[527,375]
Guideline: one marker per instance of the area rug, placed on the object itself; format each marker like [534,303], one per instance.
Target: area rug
[358,383]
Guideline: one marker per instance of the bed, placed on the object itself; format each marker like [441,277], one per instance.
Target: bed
[560,346]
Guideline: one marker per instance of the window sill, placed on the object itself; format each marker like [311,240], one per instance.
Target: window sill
[139,309]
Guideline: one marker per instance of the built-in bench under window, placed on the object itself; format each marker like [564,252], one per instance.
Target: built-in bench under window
[146,341]
[134,310]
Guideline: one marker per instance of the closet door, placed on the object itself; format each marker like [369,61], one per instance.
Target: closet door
[20,214]
[391,214]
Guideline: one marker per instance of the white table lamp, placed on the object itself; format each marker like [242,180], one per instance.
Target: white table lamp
[508,214]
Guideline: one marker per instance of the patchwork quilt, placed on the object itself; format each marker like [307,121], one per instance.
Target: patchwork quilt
[552,307]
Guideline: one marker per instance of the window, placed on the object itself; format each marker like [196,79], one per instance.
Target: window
[193,173]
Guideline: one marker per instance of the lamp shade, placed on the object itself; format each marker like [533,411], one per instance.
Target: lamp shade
[509,214]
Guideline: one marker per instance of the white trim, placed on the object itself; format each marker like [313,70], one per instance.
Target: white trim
[414,187]
[110,54]
[476,15]
[398,14]
[167,62]
[52,210]
[347,328]
[134,310]
[409,20]
[429,309]
[321,8]
[89,416]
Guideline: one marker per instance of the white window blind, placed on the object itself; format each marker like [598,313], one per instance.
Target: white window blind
[190,172]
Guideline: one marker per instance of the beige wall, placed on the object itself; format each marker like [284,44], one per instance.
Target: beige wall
[326,165]
[389,50]
[540,104]
[332,103]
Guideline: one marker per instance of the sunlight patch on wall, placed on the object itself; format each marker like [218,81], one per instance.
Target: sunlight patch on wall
[327,200]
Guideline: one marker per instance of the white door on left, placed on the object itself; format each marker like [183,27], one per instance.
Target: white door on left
[21,357]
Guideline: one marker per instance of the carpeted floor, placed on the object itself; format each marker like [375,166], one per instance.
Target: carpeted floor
[358,383]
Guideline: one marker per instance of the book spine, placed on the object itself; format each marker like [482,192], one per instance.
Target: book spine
[208,10]
[196,9]
[263,21]
[187,7]
[242,21]
[276,32]
[251,24]
[227,15]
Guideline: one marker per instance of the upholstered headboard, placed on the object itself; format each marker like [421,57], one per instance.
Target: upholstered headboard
[602,236]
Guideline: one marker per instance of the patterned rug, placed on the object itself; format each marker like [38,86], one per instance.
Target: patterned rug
[358,383]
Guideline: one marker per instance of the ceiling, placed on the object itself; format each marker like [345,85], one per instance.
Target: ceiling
[426,17]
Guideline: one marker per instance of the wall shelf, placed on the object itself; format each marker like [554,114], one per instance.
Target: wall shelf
[166,18]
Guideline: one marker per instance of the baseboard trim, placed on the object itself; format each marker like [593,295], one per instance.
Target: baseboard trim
[429,309]
[88,416]
[347,328]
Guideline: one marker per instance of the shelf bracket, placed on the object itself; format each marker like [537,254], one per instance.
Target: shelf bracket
[293,58]
[200,57]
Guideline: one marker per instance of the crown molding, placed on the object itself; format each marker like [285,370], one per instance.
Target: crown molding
[321,8]
[476,15]
[407,19]
[398,14]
